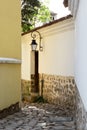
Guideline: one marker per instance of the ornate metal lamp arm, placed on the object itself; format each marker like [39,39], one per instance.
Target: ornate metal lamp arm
[33,35]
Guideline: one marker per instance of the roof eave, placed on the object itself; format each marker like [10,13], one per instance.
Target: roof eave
[48,24]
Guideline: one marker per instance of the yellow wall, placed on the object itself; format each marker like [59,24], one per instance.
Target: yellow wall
[9,84]
[10,47]
[10,28]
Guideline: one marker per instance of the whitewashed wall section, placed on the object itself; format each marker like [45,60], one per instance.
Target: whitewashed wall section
[58,52]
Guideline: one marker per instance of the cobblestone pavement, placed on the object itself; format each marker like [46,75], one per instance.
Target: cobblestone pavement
[37,117]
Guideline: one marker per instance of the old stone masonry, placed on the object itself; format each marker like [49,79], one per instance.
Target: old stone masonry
[38,117]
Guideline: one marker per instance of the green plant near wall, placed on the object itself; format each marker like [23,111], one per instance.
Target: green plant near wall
[43,15]
[32,12]
[40,99]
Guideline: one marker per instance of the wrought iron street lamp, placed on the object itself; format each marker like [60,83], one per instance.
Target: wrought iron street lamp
[34,43]
[35,63]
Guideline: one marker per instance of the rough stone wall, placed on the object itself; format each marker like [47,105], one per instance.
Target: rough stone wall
[25,89]
[60,90]
[80,113]
[10,110]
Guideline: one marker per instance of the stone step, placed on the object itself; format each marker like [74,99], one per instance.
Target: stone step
[49,120]
[60,119]
[37,118]
[60,125]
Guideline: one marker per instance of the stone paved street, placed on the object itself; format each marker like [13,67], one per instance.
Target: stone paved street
[37,117]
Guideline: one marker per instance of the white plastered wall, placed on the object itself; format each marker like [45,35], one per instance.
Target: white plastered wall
[81,50]
[58,55]
[58,50]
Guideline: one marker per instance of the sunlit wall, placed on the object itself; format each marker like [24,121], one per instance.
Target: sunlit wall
[58,50]
[10,47]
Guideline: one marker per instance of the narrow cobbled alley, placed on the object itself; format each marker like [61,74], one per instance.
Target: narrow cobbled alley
[38,117]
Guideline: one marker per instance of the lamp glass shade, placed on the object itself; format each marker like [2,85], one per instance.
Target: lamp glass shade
[33,45]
